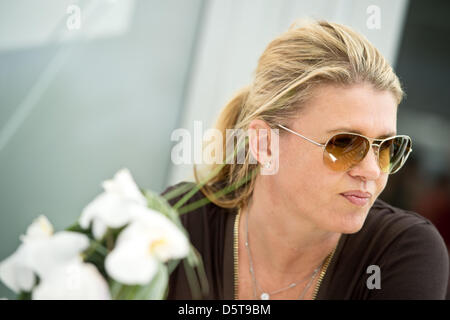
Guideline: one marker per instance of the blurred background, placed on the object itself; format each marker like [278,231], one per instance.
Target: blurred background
[89,87]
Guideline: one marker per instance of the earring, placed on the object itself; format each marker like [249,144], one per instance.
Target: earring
[268,164]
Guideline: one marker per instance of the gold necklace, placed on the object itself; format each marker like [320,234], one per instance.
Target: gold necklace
[266,295]
[236,261]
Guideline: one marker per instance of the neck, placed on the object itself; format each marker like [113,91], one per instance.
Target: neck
[283,243]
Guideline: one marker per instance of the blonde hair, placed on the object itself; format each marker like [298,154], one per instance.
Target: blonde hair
[309,54]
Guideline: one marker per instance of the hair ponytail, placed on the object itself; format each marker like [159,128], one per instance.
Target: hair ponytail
[222,187]
[229,115]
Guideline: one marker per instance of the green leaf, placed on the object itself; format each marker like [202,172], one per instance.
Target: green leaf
[77,228]
[24,295]
[192,279]
[172,264]
[155,290]
[114,288]
[160,204]
[192,258]
[175,192]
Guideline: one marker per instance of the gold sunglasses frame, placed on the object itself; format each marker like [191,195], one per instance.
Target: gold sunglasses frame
[372,142]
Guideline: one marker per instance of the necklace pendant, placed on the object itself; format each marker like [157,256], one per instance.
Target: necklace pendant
[265,296]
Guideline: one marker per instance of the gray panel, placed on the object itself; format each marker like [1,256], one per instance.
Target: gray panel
[113,104]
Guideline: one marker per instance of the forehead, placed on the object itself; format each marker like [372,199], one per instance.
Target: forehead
[359,107]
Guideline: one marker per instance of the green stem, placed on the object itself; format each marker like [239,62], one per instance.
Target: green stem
[115,289]
[199,203]
[187,196]
[192,280]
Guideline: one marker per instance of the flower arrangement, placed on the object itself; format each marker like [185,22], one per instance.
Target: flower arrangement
[124,245]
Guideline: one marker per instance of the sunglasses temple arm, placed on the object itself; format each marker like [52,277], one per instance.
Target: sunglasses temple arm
[403,160]
[405,157]
[301,136]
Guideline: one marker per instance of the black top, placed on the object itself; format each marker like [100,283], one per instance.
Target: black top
[411,254]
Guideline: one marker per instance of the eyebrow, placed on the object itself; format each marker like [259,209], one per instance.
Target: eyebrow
[390,134]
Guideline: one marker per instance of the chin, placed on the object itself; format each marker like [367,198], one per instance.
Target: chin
[351,229]
[352,222]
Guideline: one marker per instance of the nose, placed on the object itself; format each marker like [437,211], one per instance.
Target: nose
[368,168]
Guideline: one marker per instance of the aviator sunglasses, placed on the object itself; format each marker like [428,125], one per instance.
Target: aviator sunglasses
[344,150]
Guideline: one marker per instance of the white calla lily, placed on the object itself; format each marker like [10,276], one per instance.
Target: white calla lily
[111,208]
[150,238]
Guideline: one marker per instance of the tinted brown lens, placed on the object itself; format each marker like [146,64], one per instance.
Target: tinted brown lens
[344,151]
[385,155]
[393,153]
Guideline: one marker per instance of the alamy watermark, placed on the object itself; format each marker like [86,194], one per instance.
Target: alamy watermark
[207,147]
[74,19]
[374,19]
[374,280]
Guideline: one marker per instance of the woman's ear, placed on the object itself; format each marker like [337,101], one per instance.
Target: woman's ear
[263,146]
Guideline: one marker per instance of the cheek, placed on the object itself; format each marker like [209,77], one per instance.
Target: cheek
[381,183]
[304,176]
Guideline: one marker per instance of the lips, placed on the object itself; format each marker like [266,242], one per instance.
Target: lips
[357,193]
[357,197]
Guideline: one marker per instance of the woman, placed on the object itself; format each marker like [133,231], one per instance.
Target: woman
[313,229]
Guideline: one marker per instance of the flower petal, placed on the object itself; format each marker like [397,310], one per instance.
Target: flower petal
[111,208]
[99,229]
[45,256]
[108,210]
[40,228]
[164,238]
[15,274]
[130,263]
[124,185]
[73,281]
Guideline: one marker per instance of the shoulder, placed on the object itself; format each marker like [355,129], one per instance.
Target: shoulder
[407,230]
[382,213]
[409,250]
[387,225]
[389,222]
